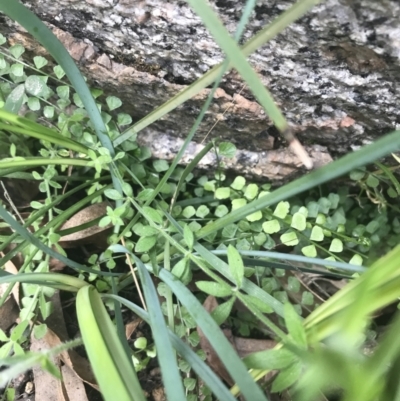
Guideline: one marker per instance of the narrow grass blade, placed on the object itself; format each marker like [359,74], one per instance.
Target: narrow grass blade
[203,371]
[114,373]
[388,144]
[217,339]
[24,126]
[28,162]
[46,279]
[165,354]
[299,259]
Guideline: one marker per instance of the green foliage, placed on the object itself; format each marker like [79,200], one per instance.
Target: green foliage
[162,211]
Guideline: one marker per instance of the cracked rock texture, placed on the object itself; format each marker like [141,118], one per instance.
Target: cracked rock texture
[333,72]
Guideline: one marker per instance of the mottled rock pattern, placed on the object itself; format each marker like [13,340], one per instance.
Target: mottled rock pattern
[333,73]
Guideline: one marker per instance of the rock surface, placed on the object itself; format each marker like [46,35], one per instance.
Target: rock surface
[333,73]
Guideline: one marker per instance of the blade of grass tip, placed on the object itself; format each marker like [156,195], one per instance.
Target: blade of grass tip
[28,162]
[22,122]
[203,371]
[75,146]
[383,146]
[165,354]
[120,324]
[217,339]
[25,234]
[296,11]
[390,175]
[114,373]
[223,268]
[19,13]
[233,52]
[298,258]
[244,19]
[44,279]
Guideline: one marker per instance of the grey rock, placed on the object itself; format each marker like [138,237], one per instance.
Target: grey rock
[333,73]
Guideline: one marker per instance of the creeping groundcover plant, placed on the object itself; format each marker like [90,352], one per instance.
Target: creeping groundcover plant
[169,238]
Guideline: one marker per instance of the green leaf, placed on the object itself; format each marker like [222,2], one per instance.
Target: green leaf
[214,289]
[202,211]
[222,311]
[309,251]
[188,212]
[229,231]
[251,191]
[34,103]
[145,243]
[48,112]
[223,193]
[317,234]
[324,205]
[258,304]
[145,194]
[270,359]
[238,203]
[271,227]
[145,231]
[39,62]
[63,92]
[113,194]
[188,236]
[2,39]
[227,149]
[15,99]
[152,214]
[113,369]
[182,271]
[58,71]
[357,175]
[238,183]
[336,245]
[282,209]
[236,265]
[307,298]
[299,221]
[39,331]
[372,226]
[35,86]
[356,260]
[221,211]
[372,181]
[289,238]
[286,378]
[313,209]
[295,327]
[256,216]
[123,119]
[113,102]
[160,165]
[17,50]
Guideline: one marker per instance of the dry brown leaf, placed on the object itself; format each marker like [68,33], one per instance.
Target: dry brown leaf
[91,234]
[57,333]
[73,385]
[131,327]
[21,192]
[47,387]
[9,311]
